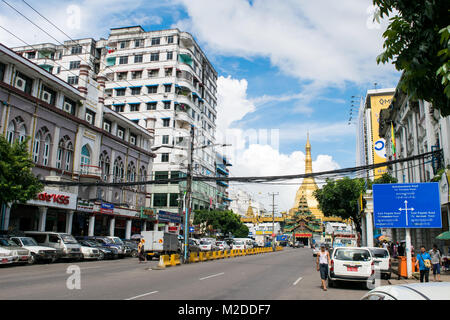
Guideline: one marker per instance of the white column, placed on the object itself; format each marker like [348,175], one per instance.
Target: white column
[144,226]
[128,229]
[7,213]
[155,226]
[408,253]
[69,220]
[112,223]
[166,227]
[91,225]
[369,225]
[42,218]
[363,232]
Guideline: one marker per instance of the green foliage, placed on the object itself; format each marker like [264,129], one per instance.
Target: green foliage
[385,178]
[17,182]
[226,221]
[417,43]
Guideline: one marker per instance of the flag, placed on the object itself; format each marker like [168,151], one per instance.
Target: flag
[393,141]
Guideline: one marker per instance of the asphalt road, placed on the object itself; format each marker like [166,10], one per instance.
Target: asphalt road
[289,274]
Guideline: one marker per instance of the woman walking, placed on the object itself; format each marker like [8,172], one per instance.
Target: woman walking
[141,251]
[323,261]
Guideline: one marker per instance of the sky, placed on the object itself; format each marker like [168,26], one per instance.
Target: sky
[285,68]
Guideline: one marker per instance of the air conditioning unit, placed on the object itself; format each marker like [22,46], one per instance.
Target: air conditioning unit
[89,118]
[133,140]
[67,107]
[165,95]
[46,96]
[120,134]
[20,83]
[106,126]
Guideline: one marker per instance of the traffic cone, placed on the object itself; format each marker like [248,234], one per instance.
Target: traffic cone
[161,265]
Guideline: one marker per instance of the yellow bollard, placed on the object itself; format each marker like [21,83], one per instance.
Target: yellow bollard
[202,256]
[166,260]
[220,255]
[175,259]
[209,255]
[215,255]
[193,257]
[225,254]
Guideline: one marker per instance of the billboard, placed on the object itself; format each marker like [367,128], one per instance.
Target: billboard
[378,103]
[407,205]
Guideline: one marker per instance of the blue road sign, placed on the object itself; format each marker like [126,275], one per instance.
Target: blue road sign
[191,229]
[407,205]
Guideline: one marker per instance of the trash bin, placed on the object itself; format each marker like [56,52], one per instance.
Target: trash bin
[402,268]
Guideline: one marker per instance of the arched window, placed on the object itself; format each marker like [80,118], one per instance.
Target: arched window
[22,133]
[118,170]
[143,177]
[47,143]
[131,172]
[60,153]
[105,165]
[37,146]
[69,150]
[10,132]
[85,159]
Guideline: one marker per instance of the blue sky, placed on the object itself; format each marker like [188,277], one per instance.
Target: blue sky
[288,65]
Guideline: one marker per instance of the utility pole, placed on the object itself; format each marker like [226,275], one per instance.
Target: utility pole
[273,194]
[187,207]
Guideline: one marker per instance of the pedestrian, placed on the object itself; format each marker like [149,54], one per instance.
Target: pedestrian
[401,250]
[436,260]
[385,244]
[424,263]
[323,261]
[141,251]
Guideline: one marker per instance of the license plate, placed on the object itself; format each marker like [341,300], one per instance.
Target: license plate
[352,269]
[24,258]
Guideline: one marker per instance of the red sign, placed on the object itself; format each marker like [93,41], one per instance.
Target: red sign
[56,198]
[173,229]
[303,235]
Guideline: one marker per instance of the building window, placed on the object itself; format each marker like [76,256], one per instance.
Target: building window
[133,138]
[136,75]
[167,87]
[22,133]
[136,91]
[131,172]
[123,60]
[170,39]
[153,73]
[138,58]
[156,41]
[85,159]
[138,43]
[164,157]
[160,199]
[31,55]
[76,49]
[134,107]
[152,89]
[120,92]
[118,170]
[120,132]
[23,82]
[173,199]
[151,106]
[161,175]
[59,155]
[74,65]
[122,75]
[46,150]
[166,122]
[36,147]
[154,56]
[168,72]
[10,132]
[123,44]
[68,157]
[169,55]
[167,105]
[165,139]
[73,80]
[119,108]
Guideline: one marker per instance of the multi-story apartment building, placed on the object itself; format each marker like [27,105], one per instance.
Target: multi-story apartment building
[160,80]
[418,128]
[67,144]
[223,200]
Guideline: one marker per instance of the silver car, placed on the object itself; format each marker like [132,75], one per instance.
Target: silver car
[19,254]
[411,291]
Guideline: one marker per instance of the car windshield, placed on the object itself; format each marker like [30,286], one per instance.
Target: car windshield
[379,253]
[28,242]
[219,243]
[67,238]
[205,242]
[7,243]
[352,255]
[239,243]
[91,243]
[117,241]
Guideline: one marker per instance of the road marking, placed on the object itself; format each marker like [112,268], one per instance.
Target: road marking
[90,267]
[214,275]
[142,295]
[297,281]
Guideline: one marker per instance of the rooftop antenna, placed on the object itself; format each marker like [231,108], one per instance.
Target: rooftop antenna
[375,85]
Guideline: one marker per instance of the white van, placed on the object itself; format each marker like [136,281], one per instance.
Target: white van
[352,264]
[382,260]
[248,243]
[65,244]
[38,253]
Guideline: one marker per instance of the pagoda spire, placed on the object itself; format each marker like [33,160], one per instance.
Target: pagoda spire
[308,159]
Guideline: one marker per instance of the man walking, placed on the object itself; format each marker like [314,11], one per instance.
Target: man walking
[322,261]
[436,262]
[424,262]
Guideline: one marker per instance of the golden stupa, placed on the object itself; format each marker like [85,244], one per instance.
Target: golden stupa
[307,189]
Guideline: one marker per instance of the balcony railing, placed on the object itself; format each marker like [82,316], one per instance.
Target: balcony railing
[87,170]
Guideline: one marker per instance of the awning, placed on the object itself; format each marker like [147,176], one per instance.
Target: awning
[136,87]
[222,183]
[167,84]
[134,103]
[136,70]
[195,94]
[118,88]
[166,100]
[118,104]
[152,68]
[151,85]
[165,118]
[151,101]
[177,86]
[168,67]
[222,170]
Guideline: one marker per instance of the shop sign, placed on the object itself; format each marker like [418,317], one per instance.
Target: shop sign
[55,199]
[173,229]
[85,206]
[303,235]
[107,208]
[165,216]
[148,213]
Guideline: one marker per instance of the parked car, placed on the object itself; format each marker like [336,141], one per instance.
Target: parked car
[194,245]
[222,245]
[206,245]
[133,246]
[121,246]
[90,253]
[65,244]
[352,264]
[37,253]
[411,291]
[103,252]
[109,243]
[382,260]
[6,256]
[239,245]
[19,254]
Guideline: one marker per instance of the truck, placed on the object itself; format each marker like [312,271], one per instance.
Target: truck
[159,243]
[344,240]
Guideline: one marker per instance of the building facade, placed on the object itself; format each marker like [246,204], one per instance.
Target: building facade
[70,142]
[223,199]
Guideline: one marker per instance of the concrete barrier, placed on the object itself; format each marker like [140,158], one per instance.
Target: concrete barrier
[194,257]
[226,254]
[220,255]
[166,260]
[215,255]
[202,256]
[232,253]
[175,259]
[209,255]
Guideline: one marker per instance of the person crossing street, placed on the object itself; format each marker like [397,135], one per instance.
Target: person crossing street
[424,263]
[323,261]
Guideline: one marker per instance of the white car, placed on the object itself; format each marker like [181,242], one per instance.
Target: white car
[20,255]
[239,245]
[315,251]
[6,256]
[352,264]
[222,245]
[206,245]
[382,260]
[38,253]
[411,291]
[90,253]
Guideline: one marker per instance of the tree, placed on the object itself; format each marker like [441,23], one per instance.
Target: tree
[340,198]
[385,178]
[17,182]
[417,43]
[226,221]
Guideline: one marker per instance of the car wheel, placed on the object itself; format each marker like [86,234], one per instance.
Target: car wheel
[330,283]
[388,276]
[32,259]
[134,254]
[101,256]
[370,285]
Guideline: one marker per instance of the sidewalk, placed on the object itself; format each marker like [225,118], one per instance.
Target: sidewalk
[445,275]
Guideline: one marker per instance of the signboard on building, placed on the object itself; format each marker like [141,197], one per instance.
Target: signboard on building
[166,216]
[107,208]
[407,205]
[378,103]
[283,237]
[85,206]
[173,229]
[55,199]
[303,235]
[148,213]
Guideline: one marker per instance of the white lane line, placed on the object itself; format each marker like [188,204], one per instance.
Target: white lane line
[90,267]
[142,295]
[214,275]
[297,281]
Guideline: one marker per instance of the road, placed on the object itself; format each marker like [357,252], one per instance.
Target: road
[286,275]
